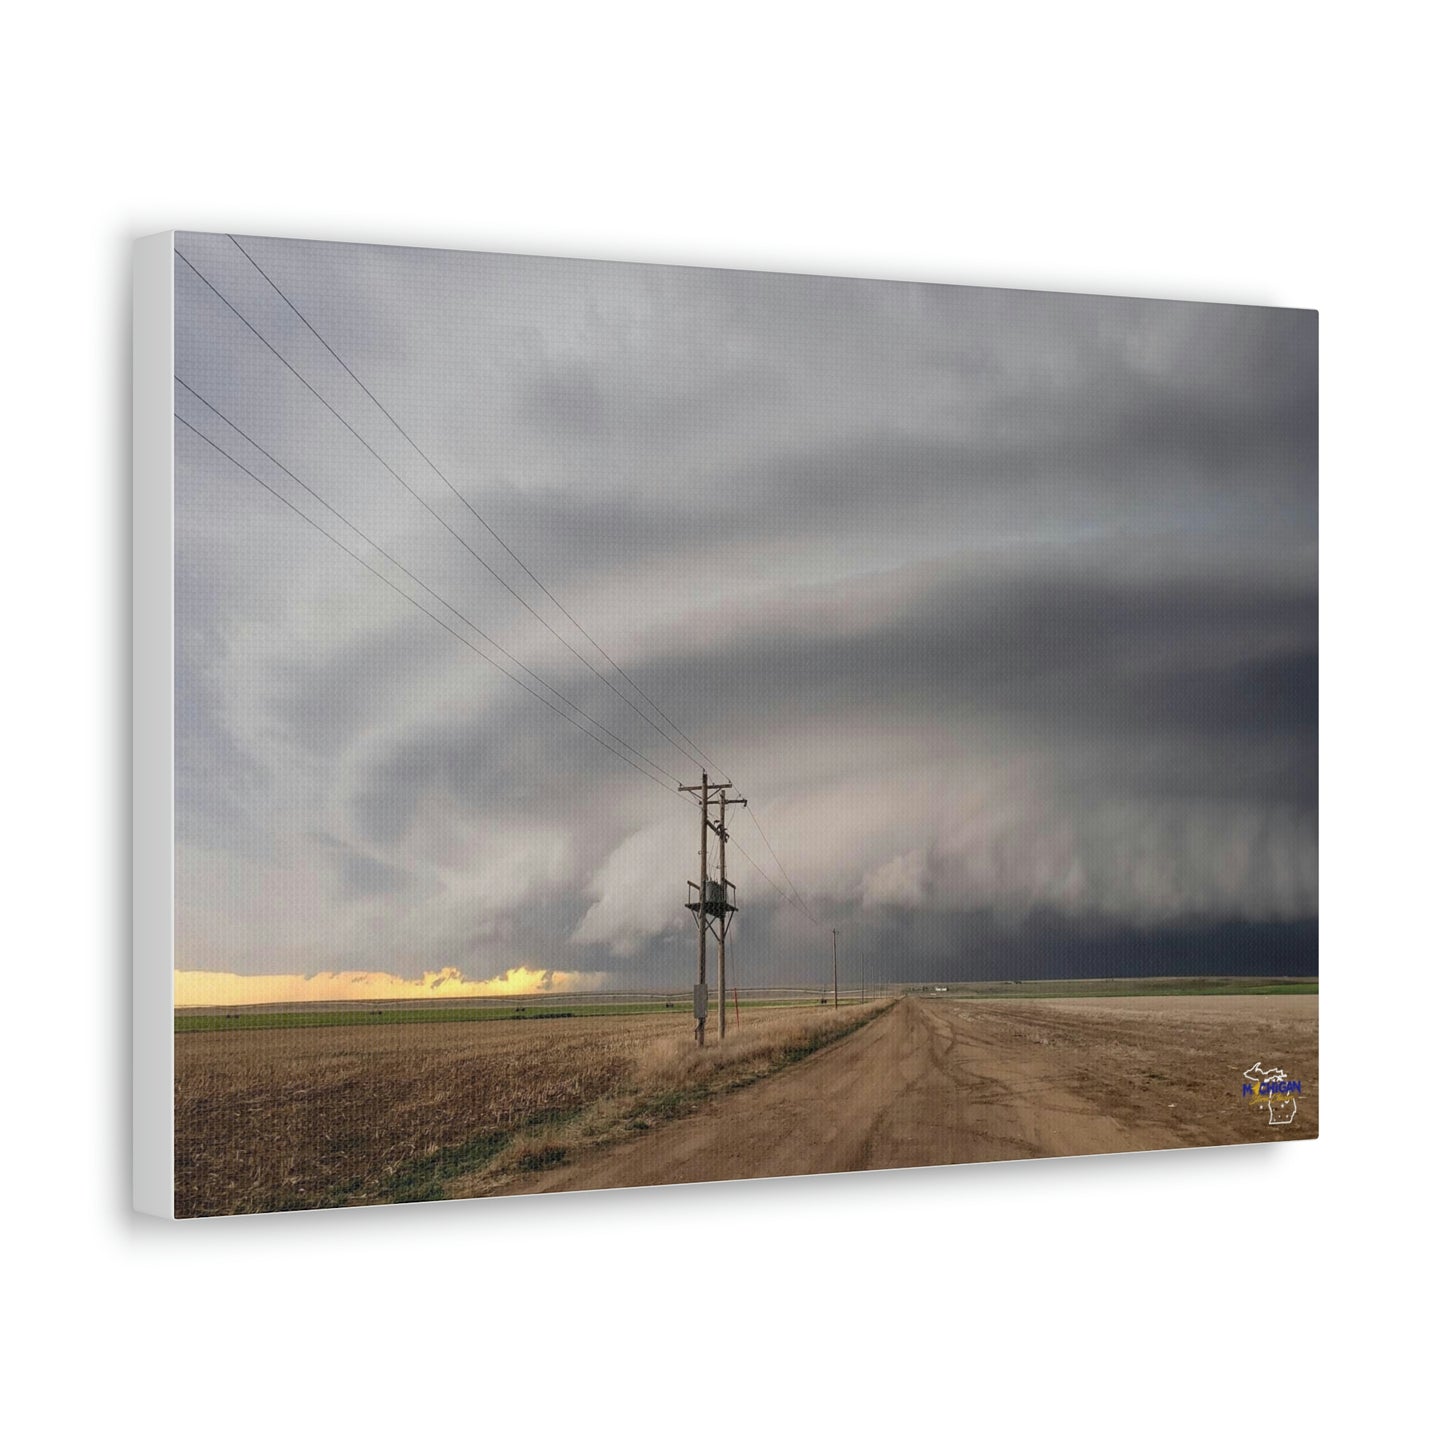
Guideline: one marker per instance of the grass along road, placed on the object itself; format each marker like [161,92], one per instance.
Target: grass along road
[307,1118]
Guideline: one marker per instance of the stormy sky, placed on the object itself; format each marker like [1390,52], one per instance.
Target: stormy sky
[999,607]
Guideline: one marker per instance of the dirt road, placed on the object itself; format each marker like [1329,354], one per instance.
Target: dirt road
[937,1081]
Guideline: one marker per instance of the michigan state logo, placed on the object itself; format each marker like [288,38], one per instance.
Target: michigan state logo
[1272,1089]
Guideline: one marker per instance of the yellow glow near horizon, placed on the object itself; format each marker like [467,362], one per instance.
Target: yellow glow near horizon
[198,988]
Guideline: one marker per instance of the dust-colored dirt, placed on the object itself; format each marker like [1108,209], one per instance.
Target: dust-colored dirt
[296,1118]
[301,1118]
[938,1081]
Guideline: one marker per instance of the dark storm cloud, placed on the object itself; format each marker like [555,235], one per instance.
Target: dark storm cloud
[1159,708]
[1201,663]
[1105,442]
[504,763]
[1000,606]
[1221,448]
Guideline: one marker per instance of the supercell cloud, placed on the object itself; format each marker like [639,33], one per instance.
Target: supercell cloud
[1000,607]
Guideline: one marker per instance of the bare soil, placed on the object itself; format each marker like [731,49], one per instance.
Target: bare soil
[935,1081]
[304,1118]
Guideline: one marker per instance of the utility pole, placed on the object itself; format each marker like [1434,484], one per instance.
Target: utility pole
[700,1008]
[835,968]
[722,938]
[699,993]
[714,906]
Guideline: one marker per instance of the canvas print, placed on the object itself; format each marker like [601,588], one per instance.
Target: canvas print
[641,725]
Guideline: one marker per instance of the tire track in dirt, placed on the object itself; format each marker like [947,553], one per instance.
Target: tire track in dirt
[948,1082]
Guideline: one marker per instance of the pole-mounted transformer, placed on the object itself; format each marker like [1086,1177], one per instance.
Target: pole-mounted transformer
[713,905]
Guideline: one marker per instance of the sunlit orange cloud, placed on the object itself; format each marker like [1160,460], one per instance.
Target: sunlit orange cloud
[197,988]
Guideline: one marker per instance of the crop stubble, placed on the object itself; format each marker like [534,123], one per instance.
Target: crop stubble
[305,1118]
[301,1118]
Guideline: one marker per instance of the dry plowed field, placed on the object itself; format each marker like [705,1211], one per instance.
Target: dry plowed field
[302,1118]
[308,1117]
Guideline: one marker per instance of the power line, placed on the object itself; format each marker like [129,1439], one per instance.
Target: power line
[771,882]
[791,902]
[781,869]
[496,536]
[401,593]
[650,769]
[431,591]
[606,682]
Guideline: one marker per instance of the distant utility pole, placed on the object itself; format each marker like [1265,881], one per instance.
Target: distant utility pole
[714,906]
[863,975]
[835,968]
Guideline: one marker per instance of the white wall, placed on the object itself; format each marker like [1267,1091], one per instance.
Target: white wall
[1275,154]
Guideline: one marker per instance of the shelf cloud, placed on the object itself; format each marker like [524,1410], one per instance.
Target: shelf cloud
[999,607]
